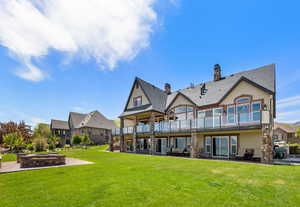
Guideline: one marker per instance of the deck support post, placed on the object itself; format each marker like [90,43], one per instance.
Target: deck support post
[122,138]
[134,136]
[194,149]
[111,143]
[152,137]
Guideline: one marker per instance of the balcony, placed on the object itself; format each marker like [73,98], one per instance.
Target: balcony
[216,123]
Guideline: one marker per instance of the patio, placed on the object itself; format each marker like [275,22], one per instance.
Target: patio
[15,167]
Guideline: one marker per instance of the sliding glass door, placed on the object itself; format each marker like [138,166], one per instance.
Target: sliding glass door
[220,146]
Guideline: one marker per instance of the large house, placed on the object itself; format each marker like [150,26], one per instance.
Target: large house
[95,124]
[223,118]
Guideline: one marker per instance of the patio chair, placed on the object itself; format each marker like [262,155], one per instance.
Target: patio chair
[249,153]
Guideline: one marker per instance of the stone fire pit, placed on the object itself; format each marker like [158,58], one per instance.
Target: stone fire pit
[41,160]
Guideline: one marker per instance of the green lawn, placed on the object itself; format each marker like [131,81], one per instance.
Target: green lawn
[118,179]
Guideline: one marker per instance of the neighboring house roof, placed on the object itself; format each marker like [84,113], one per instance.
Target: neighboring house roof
[93,120]
[59,124]
[76,118]
[262,77]
[285,127]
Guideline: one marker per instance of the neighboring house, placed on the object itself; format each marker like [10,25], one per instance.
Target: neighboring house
[220,118]
[285,132]
[95,124]
[62,130]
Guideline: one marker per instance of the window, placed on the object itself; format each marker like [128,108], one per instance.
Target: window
[137,101]
[189,115]
[256,108]
[233,143]
[208,144]
[231,114]
[243,113]
[243,100]
[180,109]
[183,113]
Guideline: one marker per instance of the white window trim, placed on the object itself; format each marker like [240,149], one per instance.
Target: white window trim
[255,102]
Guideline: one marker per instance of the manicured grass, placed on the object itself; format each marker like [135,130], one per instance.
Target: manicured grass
[118,179]
[8,157]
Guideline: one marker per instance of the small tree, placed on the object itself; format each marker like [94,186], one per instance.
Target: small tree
[76,139]
[42,130]
[39,144]
[53,142]
[14,141]
[86,139]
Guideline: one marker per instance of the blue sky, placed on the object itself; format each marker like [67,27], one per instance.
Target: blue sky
[177,42]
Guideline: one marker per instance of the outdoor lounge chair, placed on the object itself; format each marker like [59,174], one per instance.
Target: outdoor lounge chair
[249,153]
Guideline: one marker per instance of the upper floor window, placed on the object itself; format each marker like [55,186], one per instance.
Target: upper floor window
[256,111]
[243,100]
[183,112]
[137,101]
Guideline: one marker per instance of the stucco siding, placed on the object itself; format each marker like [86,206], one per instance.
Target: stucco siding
[244,88]
[250,140]
[180,100]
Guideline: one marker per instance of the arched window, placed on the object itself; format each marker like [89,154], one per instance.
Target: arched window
[243,100]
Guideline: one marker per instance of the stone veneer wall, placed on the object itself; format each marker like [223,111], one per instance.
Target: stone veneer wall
[42,160]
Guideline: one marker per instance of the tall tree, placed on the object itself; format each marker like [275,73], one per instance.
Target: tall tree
[12,127]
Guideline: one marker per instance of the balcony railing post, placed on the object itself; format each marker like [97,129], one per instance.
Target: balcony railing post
[220,121]
[179,125]
[204,124]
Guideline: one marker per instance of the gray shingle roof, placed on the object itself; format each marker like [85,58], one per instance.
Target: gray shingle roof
[94,120]
[58,124]
[76,119]
[216,90]
[156,96]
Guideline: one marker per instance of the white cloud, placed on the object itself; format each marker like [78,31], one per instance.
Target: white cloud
[36,120]
[288,102]
[108,31]
[288,116]
[78,109]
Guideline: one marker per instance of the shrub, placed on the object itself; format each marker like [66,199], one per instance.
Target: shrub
[86,139]
[76,139]
[39,144]
[67,146]
[51,146]
[29,147]
[14,141]
[294,148]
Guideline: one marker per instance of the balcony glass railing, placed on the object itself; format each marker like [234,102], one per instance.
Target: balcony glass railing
[215,122]
[145,128]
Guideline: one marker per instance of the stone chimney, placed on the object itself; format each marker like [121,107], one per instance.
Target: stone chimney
[217,72]
[168,88]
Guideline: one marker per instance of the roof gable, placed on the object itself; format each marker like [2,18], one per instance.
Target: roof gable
[175,101]
[157,98]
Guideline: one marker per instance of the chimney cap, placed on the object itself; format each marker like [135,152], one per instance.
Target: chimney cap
[168,88]
[217,66]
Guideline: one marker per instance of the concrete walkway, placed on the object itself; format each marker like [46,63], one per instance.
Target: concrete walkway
[15,167]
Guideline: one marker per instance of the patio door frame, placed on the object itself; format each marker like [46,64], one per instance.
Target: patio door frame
[213,146]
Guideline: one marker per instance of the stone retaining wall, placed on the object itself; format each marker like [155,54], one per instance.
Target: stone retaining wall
[41,160]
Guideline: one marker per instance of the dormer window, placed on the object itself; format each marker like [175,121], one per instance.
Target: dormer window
[137,101]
